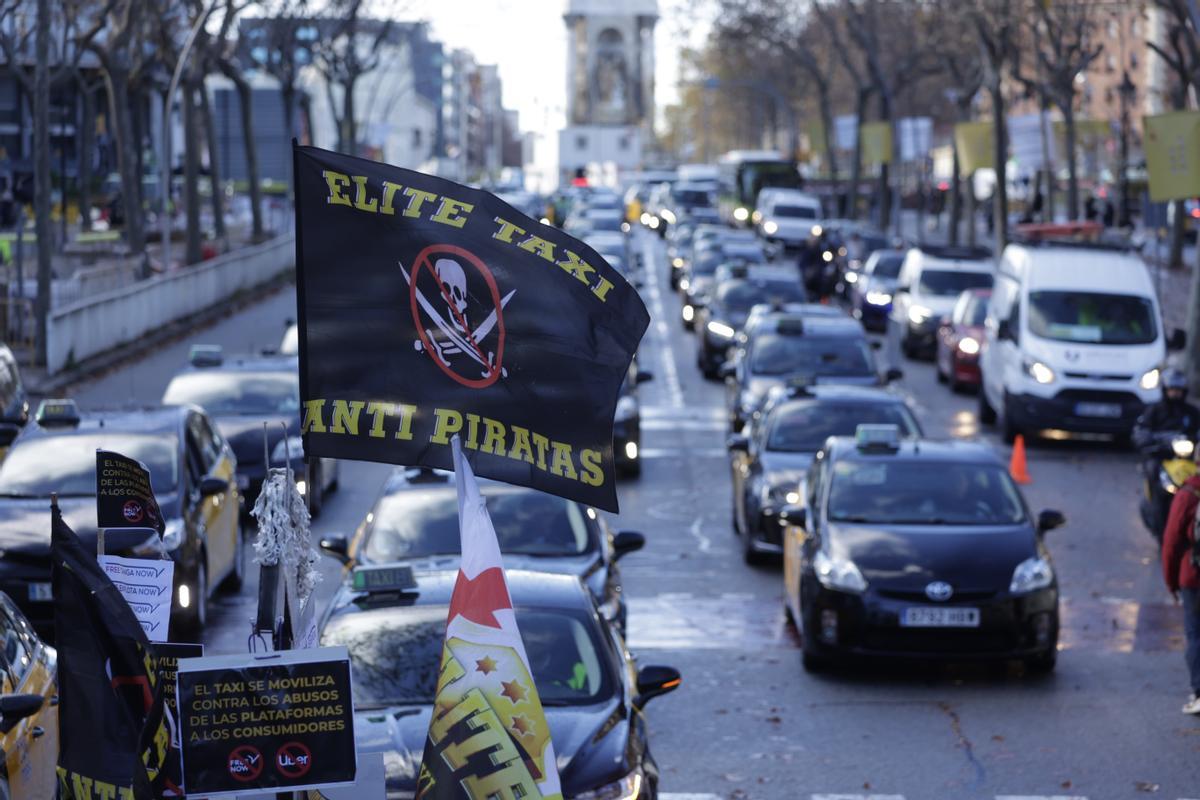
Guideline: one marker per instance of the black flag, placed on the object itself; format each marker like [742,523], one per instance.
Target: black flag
[124,497]
[115,739]
[429,309]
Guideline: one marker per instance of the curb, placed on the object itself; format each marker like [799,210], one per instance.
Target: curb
[122,355]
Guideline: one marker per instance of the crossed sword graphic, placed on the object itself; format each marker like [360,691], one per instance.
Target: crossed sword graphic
[459,342]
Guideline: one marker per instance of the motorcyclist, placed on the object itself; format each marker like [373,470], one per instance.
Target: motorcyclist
[1173,415]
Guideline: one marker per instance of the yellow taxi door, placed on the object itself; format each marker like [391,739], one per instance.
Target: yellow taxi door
[31,747]
[219,512]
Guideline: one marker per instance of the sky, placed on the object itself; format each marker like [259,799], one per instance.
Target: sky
[528,40]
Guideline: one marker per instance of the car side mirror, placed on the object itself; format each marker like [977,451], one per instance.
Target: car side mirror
[793,515]
[900,290]
[644,377]
[626,542]
[1178,339]
[212,485]
[654,681]
[1050,519]
[738,443]
[727,370]
[16,707]
[337,546]
[893,374]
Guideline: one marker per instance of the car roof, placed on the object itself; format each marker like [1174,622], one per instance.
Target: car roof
[151,419]
[249,363]
[1079,268]
[818,325]
[526,587]
[942,450]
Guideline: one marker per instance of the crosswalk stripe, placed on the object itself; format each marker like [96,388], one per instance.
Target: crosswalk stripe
[684,452]
[1040,797]
[686,796]
[683,425]
[858,797]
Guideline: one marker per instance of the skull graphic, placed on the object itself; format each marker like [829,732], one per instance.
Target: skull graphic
[451,274]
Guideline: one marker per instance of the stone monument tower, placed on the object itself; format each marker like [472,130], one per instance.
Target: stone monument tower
[610,86]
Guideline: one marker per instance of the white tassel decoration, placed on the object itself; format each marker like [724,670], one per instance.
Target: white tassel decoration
[283,532]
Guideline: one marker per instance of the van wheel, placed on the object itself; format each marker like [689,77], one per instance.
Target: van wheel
[196,617]
[237,576]
[987,414]
[1008,429]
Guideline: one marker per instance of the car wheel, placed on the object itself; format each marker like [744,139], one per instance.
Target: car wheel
[749,554]
[317,496]
[337,474]
[1008,429]
[197,614]
[987,414]
[813,663]
[937,368]
[906,346]
[1042,664]
[234,580]
[630,469]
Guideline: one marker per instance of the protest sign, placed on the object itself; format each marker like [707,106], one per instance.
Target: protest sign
[146,584]
[281,720]
[124,497]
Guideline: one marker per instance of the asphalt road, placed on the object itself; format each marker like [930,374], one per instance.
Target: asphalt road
[748,722]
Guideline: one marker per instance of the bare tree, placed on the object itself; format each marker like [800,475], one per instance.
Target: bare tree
[230,61]
[962,69]
[281,53]
[350,48]
[1179,53]
[996,24]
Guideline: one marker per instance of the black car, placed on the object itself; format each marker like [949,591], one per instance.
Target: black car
[627,423]
[769,458]
[192,474]
[786,345]
[240,394]
[14,404]
[599,730]
[415,521]
[720,320]
[696,282]
[918,548]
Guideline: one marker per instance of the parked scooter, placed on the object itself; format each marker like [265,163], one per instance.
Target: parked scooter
[1168,463]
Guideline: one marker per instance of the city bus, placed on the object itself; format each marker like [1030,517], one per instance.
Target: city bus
[744,173]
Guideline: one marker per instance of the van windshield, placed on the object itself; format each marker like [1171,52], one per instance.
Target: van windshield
[948,283]
[1092,317]
[795,212]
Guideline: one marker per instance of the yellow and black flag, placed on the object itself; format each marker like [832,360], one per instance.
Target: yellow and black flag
[115,736]
[429,309]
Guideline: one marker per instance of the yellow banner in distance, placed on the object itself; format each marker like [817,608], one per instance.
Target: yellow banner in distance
[817,141]
[876,142]
[975,143]
[1172,146]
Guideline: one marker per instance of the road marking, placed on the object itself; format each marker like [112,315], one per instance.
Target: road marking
[659,313]
[686,796]
[1040,797]
[682,425]
[694,530]
[684,452]
[712,413]
[858,797]
[685,621]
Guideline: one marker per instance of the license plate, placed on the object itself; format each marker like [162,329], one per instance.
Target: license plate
[937,617]
[40,593]
[1110,410]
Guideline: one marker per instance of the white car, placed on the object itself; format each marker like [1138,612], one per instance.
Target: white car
[931,279]
[786,216]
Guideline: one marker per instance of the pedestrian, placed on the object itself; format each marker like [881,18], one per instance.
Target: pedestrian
[1181,571]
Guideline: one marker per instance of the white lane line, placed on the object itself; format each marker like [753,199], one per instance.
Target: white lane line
[1040,797]
[858,797]
[686,796]
[713,413]
[705,543]
[679,453]
[658,311]
[682,425]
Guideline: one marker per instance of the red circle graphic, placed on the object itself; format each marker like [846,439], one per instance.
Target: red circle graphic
[132,511]
[299,760]
[245,763]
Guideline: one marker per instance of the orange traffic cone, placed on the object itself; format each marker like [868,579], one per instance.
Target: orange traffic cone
[1016,465]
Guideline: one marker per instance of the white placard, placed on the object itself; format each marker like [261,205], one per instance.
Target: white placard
[916,135]
[845,130]
[146,584]
[1025,141]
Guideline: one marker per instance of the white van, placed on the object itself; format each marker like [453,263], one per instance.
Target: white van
[786,216]
[1073,341]
[930,281]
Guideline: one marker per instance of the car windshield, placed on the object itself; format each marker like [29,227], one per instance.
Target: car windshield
[744,252]
[888,266]
[775,354]
[1092,317]
[67,464]
[976,311]
[951,283]
[691,197]
[740,296]
[602,221]
[804,428]
[237,393]
[901,492]
[795,212]
[396,655]
[417,524]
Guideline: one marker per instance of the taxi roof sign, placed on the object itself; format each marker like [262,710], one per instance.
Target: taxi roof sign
[206,355]
[383,578]
[59,411]
[877,437]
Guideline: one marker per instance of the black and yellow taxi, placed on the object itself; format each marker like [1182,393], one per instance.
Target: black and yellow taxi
[192,473]
[917,548]
[593,693]
[14,404]
[241,393]
[415,522]
[28,708]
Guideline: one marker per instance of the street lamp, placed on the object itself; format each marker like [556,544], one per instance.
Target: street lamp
[1127,92]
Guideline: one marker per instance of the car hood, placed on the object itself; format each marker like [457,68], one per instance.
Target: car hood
[25,525]
[1091,359]
[245,434]
[881,285]
[793,229]
[585,760]
[780,467]
[905,558]
[940,305]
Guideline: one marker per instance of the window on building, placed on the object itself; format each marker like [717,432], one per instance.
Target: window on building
[623,143]
[1111,60]
[581,142]
[416,138]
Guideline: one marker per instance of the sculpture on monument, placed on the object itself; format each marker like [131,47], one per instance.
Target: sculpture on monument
[610,80]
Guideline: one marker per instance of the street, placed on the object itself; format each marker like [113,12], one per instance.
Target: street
[749,722]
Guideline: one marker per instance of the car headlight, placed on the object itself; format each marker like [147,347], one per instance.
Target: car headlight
[720,329]
[627,408]
[668,215]
[1150,380]
[173,535]
[644,218]
[688,313]
[1039,372]
[918,314]
[780,493]
[968,345]
[770,227]
[878,298]
[838,573]
[827,256]
[1030,575]
[292,445]
[1183,448]
[677,262]
[627,788]
[684,284]
[816,230]
[741,214]
[851,277]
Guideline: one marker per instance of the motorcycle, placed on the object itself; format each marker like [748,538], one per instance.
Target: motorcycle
[1168,464]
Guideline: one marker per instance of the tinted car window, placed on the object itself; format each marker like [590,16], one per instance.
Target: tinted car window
[395,655]
[888,266]
[1091,317]
[741,296]
[940,282]
[804,428]
[794,212]
[67,464]
[930,493]
[416,524]
[237,393]
[780,355]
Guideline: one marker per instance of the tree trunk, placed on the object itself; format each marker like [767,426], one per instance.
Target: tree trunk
[860,109]
[1178,228]
[1191,354]
[348,122]
[955,196]
[214,167]
[830,146]
[87,144]
[191,173]
[288,92]
[971,210]
[117,80]
[1068,113]
[246,102]
[41,173]
[1000,156]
